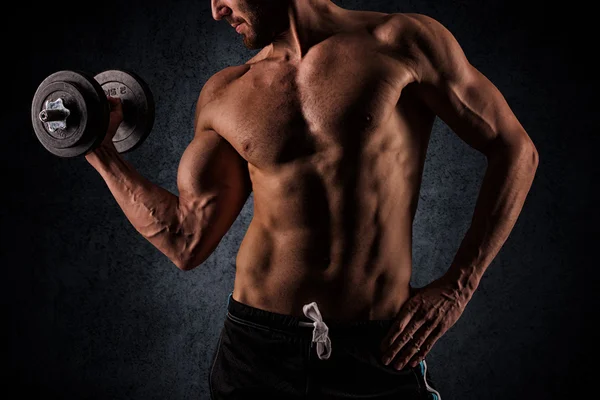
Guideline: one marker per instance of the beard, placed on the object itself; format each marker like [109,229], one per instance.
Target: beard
[264,20]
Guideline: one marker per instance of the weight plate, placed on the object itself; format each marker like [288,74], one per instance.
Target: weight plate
[76,121]
[87,121]
[138,107]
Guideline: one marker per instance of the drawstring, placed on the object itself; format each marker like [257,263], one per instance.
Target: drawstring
[320,333]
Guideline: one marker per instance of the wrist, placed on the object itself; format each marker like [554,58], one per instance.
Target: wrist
[462,280]
[101,152]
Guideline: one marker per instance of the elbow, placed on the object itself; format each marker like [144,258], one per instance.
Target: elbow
[531,156]
[186,265]
[522,153]
[190,262]
[183,263]
[183,266]
[190,255]
[527,158]
[535,157]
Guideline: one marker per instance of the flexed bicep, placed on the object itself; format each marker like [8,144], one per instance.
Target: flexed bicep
[213,182]
[214,185]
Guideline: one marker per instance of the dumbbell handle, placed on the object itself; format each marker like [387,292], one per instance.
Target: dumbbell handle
[53,115]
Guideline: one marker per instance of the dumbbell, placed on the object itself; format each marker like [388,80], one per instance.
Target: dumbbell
[70,111]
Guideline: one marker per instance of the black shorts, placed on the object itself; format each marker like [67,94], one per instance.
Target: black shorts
[276,356]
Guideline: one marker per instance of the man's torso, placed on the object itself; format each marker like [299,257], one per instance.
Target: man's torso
[335,150]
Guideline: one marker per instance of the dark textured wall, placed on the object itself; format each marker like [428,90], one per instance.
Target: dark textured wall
[95,312]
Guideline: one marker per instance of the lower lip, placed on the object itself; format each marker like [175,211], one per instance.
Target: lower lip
[238,28]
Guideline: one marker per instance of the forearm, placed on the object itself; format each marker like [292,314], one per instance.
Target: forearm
[153,211]
[506,183]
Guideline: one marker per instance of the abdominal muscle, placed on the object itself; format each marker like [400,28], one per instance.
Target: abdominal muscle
[362,274]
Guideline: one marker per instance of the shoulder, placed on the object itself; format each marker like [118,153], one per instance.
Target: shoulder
[425,41]
[402,28]
[212,90]
[218,82]
[216,85]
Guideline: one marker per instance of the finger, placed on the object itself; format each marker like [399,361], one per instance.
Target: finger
[114,103]
[406,336]
[114,100]
[427,346]
[397,327]
[415,346]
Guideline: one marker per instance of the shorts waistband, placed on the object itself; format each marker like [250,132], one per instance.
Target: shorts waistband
[291,323]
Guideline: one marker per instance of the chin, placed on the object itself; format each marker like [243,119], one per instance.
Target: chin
[253,42]
[251,45]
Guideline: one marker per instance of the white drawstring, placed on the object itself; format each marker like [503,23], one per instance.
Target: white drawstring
[429,388]
[320,333]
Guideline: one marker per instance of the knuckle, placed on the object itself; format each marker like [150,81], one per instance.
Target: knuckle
[405,338]
[435,313]
[411,305]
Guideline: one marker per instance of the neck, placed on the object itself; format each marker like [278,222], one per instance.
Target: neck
[310,22]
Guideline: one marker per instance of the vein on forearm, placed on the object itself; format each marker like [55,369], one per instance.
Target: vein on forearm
[153,211]
[507,181]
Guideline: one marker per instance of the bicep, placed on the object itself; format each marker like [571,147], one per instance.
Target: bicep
[467,101]
[210,164]
[213,185]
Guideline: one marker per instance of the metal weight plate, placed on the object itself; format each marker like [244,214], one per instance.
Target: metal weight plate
[81,101]
[138,107]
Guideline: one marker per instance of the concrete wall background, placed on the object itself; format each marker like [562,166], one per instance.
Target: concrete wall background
[95,312]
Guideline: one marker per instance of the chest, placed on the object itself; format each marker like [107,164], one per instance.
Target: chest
[338,95]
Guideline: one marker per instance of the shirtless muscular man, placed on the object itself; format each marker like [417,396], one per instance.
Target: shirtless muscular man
[329,125]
